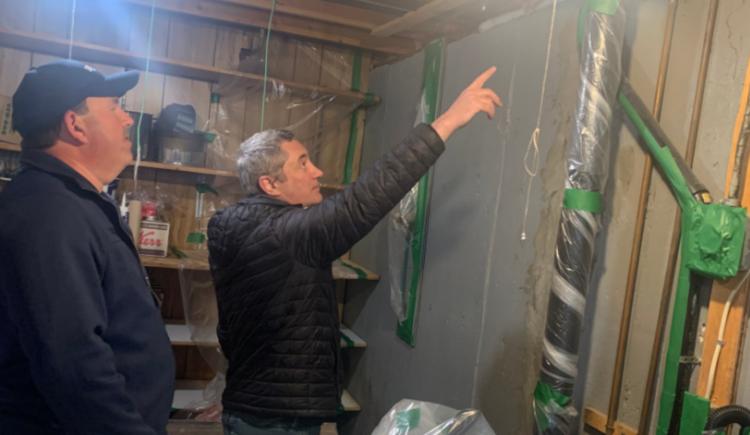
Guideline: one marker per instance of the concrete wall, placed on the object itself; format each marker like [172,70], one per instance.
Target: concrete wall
[485,291]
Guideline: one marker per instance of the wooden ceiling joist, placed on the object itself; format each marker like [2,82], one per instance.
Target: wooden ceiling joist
[321,10]
[246,16]
[415,18]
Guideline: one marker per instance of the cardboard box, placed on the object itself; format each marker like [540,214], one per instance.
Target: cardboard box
[154,238]
[7,134]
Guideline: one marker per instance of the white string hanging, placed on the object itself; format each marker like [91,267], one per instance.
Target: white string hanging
[72,30]
[531,157]
[149,42]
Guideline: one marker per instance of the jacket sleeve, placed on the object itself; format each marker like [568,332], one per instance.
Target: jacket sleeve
[320,234]
[60,317]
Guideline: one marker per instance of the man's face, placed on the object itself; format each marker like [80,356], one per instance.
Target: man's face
[300,183]
[108,147]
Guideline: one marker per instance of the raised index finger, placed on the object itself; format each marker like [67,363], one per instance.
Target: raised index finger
[482,78]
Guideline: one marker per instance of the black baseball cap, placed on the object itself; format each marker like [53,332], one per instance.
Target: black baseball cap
[48,91]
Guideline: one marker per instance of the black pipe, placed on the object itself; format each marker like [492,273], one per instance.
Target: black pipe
[728,415]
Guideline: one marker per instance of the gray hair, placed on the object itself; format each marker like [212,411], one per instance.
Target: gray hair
[260,155]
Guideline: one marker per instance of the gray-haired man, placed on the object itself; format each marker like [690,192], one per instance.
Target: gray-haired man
[271,257]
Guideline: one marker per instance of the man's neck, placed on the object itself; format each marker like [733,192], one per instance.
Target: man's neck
[67,155]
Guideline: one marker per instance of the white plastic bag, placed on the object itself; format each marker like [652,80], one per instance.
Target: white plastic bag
[411,417]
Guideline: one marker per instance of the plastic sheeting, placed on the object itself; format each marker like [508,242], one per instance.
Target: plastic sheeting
[587,168]
[411,417]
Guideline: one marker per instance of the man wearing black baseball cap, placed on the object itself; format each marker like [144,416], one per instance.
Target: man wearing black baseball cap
[83,348]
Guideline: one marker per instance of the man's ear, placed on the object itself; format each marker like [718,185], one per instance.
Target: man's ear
[72,128]
[268,185]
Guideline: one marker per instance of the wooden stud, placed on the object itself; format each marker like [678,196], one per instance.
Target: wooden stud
[598,420]
[727,371]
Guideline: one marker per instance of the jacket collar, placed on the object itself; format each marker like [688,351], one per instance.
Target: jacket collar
[263,199]
[47,163]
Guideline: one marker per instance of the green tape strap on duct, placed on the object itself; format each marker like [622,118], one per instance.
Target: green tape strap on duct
[608,7]
[584,200]
[430,99]
[547,399]
[354,124]
[695,410]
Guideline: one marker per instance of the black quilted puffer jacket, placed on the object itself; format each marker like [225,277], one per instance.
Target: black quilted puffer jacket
[271,264]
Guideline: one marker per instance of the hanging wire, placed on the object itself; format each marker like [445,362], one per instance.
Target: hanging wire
[72,30]
[149,42]
[531,157]
[265,67]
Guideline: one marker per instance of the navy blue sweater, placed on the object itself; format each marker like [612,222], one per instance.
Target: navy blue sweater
[83,349]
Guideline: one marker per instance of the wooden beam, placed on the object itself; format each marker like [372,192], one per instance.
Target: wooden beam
[417,17]
[598,420]
[321,10]
[248,17]
[728,362]
[727,371]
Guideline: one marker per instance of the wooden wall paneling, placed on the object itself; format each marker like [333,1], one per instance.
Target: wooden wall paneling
[149,92]
[230,119]
[196,366]
[13,66]
[307,63]
[280,65]
[53,17]
[18,15]
[180,360]
[336,72]
[103,23]
[193,41]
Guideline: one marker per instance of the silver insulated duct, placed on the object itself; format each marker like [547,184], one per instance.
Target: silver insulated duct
[602,26]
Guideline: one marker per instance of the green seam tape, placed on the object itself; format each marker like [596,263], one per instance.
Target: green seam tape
[544,396]
[349,342]
[432,69]
[584,200]
[353,125]
[608,7]
[695,410]
[361,274]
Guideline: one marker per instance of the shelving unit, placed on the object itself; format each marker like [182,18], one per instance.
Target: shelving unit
[179,335]
[342,268]
[95,53]
[184,169]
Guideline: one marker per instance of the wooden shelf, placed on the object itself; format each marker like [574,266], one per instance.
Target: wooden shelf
[347,269]
[5,146]
[183,168]
[174,263]
[351,340]
[348,402]
[179,335]
[185,398]
[96,53]
[342,269]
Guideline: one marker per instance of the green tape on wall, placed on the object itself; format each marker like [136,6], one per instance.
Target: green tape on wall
[433,65]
